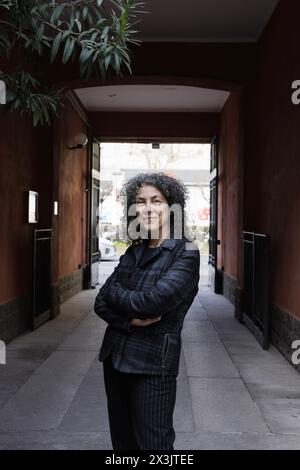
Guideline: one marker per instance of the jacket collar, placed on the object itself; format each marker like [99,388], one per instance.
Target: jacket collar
[168,243]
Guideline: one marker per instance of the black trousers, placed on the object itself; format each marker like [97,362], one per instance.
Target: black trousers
[140,409]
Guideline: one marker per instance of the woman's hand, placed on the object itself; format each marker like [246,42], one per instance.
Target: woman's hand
[146,322]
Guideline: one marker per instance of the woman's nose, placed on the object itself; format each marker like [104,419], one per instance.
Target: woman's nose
[149,206]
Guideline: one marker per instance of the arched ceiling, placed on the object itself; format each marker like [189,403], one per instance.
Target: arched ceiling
[189,21]
[151,98]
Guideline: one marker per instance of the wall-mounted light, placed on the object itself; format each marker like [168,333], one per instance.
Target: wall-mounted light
[80,141]
[33,198]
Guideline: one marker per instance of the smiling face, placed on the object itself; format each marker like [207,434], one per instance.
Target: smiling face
[152,211]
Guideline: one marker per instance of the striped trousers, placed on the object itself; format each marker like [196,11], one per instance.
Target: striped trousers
[140,409]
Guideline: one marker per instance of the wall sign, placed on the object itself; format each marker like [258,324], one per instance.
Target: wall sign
[32,207]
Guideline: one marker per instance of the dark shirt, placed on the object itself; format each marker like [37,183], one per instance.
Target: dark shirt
[148,252]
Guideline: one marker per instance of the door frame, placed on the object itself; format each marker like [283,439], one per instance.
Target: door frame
[89,227]
[216,275]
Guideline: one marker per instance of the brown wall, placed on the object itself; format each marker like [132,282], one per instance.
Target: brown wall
[224,64]
[220,62]
[70,170]
[25,164]
[172,126]
[230,161]
[272,172]
[39,160]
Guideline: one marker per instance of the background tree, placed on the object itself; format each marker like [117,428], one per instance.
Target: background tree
[94,33]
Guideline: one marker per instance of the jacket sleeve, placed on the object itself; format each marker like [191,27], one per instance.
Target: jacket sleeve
[111,316]
[172,288]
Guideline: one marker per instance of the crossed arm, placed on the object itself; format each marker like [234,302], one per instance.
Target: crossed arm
[110,316]
[114,318]
[172,288]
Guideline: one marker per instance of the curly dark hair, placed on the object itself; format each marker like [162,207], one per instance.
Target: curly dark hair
[173,189]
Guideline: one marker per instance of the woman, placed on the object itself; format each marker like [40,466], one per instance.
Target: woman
[144,303]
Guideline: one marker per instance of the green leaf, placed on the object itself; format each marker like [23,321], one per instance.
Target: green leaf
[89,17]
[5,4]
[85,12]
[85,54]
[40,32]
[96,56]
[66,34]
[72,20]
[117,63]
[124,17]
[94,35]
[78,24]
[105,32]
[57,12]
[102,36]
[69,46]
[55,46]
[107,61]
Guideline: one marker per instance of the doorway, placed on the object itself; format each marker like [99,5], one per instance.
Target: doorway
[189,162]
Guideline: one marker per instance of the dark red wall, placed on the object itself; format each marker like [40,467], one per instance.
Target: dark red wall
[25,164]
[70,182]
[30,161]
[220,62]
[216,64]
[272,168]
[230,162]
[173,126]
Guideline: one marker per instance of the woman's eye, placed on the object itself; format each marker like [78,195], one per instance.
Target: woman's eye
[142,203]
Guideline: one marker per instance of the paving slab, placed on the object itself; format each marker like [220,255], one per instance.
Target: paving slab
[40,404]
[199,332]
[55,440]
[87,336]
[88,410]
[249,351]
[183,413]
[208,360]
[196,313]
[235,441]
[67,363]
[282,415]
[224,405]
[269,373]
[275,390]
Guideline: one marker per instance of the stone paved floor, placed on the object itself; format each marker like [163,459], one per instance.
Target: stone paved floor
[231,393]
